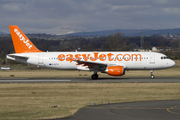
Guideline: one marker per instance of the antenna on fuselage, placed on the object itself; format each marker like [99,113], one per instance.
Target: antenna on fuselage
[78,49]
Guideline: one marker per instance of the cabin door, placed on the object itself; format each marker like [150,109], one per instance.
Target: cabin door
[152,58]
[40,59]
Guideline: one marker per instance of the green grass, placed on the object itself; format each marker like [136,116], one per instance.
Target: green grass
[48,73]
[35,101]
[23,71]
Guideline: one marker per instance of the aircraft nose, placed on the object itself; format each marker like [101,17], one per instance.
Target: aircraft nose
[172,63]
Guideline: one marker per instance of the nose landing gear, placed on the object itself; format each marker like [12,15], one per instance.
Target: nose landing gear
[152,76]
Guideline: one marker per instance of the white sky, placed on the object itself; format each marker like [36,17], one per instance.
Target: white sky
[68,16]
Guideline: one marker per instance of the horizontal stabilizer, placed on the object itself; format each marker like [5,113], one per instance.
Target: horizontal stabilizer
[16,57]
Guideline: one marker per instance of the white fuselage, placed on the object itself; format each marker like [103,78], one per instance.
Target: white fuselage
[68,60]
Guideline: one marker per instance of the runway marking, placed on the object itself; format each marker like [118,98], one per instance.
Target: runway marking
[173,108]
[127,108]
[35,80]
[143,108]
[114,107]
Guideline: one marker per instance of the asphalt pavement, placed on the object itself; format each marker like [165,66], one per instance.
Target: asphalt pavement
[89,80]
[148,110]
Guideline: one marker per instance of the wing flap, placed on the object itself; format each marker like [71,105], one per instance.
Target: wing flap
[89,63]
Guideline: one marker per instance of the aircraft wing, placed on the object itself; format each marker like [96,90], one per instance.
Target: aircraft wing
[89,65]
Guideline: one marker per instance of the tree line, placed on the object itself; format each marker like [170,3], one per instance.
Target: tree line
[113,42]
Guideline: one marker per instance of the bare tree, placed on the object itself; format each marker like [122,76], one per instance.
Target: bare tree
[115,42]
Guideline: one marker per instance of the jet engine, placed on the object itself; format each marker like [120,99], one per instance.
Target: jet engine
[115,70]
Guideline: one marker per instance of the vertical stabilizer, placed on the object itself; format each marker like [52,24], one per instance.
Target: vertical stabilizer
[21,42]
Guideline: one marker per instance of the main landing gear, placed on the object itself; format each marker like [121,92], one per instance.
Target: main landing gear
[152,76]
[94,76]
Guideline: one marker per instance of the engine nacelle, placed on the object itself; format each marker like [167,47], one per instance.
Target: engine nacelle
[115,70]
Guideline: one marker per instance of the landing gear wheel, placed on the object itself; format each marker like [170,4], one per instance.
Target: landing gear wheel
[94,76]
[152,76]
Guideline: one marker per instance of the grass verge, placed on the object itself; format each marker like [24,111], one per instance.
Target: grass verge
[35,101]
[50,73]
[172,72]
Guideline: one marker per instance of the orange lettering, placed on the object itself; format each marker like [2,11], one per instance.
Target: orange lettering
[77,56]
[136,56]
[118,56]
[95,57]
[102,57]
[61,57]
[69,57]
[109,56]
[86,56]
[125,56]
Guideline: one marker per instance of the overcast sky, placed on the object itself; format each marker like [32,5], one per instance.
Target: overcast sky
[67,16]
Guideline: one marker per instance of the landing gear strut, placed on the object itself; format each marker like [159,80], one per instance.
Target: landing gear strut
[94,76]
[152,76]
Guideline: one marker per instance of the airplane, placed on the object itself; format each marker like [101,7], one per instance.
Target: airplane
[112,63]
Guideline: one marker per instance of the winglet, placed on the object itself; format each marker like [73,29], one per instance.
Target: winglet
[21,42]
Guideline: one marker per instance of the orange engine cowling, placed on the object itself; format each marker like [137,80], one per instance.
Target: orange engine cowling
[115,70]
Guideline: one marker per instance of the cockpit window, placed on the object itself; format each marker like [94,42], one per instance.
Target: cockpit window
[164,57]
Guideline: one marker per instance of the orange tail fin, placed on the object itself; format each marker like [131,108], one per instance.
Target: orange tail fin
[21,42]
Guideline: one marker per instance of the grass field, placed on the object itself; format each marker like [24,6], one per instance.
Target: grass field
[35,101]
[22,71]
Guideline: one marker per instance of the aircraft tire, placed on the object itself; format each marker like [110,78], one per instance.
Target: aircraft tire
[94,76]
[152,76]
